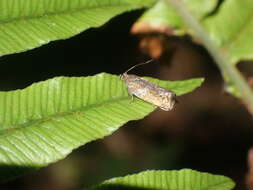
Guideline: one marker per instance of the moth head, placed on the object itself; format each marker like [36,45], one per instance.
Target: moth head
[123,76]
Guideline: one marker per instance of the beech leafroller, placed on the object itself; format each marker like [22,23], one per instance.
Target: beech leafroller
[149,92]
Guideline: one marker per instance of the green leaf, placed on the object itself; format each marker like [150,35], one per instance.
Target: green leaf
[230,27]
[160,16]
[185,179]
[26,24]
[46,121]
[163,15]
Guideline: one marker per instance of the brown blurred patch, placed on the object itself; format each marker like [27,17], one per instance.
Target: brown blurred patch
[148,28]
[249,176]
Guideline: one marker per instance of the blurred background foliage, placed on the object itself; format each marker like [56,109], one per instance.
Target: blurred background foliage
[208,130]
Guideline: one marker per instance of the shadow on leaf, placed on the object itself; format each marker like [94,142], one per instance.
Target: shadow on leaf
[10,172]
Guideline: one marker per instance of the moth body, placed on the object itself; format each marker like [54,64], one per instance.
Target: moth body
[149,92]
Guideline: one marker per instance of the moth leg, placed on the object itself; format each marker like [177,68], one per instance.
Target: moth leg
[132,97]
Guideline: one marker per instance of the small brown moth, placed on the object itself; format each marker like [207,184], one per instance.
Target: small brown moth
[148,91]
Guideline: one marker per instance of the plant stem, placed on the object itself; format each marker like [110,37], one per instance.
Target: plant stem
[228,69]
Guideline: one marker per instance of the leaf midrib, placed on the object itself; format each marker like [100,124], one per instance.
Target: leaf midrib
[11,128]
[14,20]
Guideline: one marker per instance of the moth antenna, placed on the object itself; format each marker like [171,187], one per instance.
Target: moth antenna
[139,65]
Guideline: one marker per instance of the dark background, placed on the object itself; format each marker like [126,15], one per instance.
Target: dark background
[209,130]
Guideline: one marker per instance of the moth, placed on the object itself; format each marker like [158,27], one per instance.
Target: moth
[147,91]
